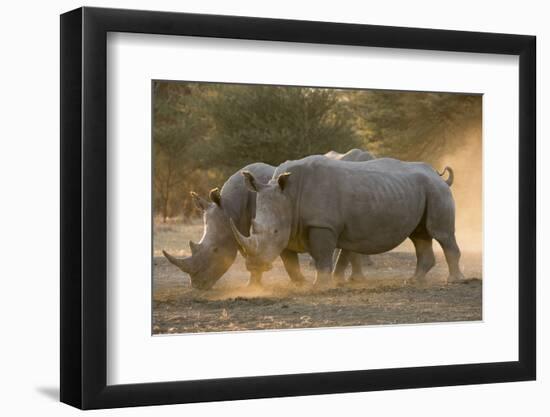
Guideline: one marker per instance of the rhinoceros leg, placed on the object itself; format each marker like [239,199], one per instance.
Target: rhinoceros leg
[368,260]
[440,221]
[344,258]
[356,267]
[425,259]
[322,243]
[255,279]
[452,256]
[292,266]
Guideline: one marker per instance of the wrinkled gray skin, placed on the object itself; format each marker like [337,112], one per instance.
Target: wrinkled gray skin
[316,205]
[217,249]
[354,155]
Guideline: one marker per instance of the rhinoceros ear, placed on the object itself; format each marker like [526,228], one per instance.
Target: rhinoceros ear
[200,202]
[215,196]
[282,179]
[251,182]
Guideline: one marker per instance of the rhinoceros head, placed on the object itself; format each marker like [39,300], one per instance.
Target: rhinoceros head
[271,227]
[215,252]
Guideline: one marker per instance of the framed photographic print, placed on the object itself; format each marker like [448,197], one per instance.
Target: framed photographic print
[257,207]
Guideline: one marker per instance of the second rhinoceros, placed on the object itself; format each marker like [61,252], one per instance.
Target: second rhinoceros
[217,249]
[316,205]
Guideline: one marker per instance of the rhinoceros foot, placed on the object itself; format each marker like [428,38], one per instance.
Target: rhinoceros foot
[255,280]
[455,278]
[323,281]
[298,281]
[416,280]
[357,278]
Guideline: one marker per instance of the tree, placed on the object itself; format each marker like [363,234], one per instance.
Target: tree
[272,124]
[414,125]
[176,126]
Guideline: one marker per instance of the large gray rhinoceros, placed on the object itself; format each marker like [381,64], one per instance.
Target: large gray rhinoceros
[316,205]
[217,249]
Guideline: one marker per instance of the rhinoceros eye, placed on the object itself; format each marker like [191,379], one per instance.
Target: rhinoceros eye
[215,250]
[275,231]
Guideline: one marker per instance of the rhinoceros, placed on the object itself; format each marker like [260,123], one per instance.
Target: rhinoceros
[317,204]
[217,249]
[353,155]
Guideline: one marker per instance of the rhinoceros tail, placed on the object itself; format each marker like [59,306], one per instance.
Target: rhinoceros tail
[451,177]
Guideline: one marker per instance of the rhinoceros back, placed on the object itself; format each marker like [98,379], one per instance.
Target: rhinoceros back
[353,155]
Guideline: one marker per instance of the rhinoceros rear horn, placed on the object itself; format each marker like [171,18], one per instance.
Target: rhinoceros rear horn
[194,247]
[184,264]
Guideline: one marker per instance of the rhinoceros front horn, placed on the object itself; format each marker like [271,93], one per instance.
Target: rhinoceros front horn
[194,247]
[246,243]
[184,264]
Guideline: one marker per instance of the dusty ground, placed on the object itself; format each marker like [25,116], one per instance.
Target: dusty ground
[381,299]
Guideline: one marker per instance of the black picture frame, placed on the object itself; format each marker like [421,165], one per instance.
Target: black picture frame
[84,207]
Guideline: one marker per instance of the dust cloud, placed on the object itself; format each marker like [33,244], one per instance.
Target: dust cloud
[467,189]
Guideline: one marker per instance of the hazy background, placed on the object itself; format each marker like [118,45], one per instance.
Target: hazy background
[204,132]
